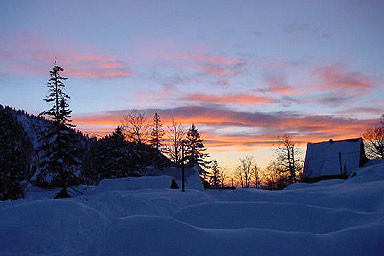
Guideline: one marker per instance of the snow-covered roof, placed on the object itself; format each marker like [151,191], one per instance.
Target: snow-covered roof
[332,158]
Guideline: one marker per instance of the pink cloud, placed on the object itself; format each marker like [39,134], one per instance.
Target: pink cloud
[229,98]
[199,62]
[277,83]
[336,77]
[33,55]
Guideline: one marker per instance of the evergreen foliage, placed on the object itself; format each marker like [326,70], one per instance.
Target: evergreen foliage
[196,151]
[156,140]
[15,151]
[157,133]
[60,154]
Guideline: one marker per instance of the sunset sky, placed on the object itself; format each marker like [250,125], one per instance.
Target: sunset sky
[244,72]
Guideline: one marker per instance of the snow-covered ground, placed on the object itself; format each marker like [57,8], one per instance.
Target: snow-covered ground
[335,217]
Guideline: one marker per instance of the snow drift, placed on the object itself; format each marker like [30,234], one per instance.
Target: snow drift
[334,217]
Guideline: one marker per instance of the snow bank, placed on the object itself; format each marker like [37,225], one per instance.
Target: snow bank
[276,216]
[192,178]
[160,202]
[47,227]
[148,235]
[145,217]
[135,183]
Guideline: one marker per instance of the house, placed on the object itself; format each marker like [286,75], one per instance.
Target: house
[333,159]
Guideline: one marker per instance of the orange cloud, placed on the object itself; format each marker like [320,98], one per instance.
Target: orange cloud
[267,126]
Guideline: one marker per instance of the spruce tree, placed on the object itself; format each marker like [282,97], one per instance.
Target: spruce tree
[15,152]
[157,133]
[60,153]
[196,151]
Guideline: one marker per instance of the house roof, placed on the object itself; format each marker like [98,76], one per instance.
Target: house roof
[331,158]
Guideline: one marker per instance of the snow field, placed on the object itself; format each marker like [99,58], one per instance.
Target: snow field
[336,217]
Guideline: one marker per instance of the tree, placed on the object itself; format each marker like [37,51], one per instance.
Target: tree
[244,171]
[287,157]
[60,152]
[374,141]
[272,176]
[256,171]
[56,96]
[196,151]
[136,127]
[215,175]
[15,153]
[176,134]
[157,133]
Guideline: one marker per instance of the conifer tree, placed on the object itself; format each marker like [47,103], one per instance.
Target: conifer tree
[196,151]
[157,133]
[60,153]
[15,151]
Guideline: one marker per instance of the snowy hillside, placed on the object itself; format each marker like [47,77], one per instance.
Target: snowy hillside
[334,217]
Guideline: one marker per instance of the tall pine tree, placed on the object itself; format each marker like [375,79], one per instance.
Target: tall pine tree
[157,133]
[60,154]
[196,151]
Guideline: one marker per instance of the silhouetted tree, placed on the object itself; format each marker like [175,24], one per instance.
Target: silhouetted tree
[244,171]
[60,153]
[215,175]
[273,176]
[374,141]
[196,149]
[15,150]
[157,133]
[287,157]
[256,171]
[135,127]
[176,134]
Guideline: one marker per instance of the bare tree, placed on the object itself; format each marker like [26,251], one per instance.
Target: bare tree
[244,171]
[176,134]
[215,174]
[223,175]
[374,141]
[287,157]
[256,171]
[272,176]
[136,127]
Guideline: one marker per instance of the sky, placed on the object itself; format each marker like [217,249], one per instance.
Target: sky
[245,72]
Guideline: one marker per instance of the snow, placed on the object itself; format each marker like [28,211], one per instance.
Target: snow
[135,183]
[192,178]
[142,216]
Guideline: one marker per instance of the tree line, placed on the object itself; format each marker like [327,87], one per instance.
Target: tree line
[66,157]
[286,168]
[139,146]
